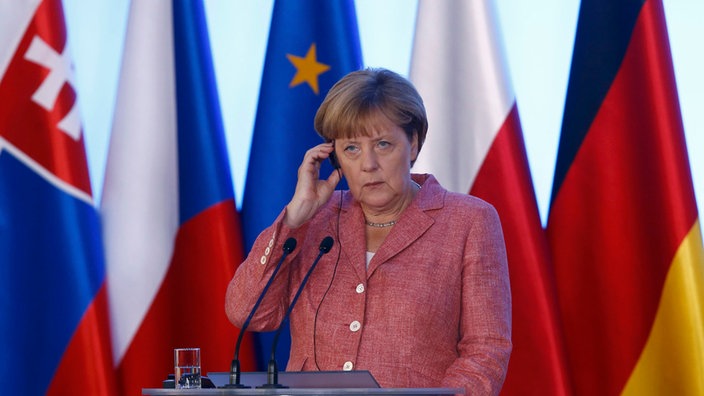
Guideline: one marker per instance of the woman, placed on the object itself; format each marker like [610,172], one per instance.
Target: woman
[416,288]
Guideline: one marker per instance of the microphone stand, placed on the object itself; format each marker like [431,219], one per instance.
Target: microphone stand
[235,371]
[272,375]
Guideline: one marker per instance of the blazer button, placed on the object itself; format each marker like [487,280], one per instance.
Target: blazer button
[360,288]
[263,260]
[354,326]
[348,366]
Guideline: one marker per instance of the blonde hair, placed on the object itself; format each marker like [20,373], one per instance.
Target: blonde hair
[352,104]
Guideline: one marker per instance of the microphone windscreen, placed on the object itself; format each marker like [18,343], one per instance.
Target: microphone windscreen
[326,244]
[289,245]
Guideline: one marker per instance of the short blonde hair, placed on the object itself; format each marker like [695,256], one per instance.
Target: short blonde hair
[352,103]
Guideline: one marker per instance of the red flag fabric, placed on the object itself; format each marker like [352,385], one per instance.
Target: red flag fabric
[53,302]
[475,144]
[623,224]
[172,232]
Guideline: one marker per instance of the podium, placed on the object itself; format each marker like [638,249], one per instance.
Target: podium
[303,383]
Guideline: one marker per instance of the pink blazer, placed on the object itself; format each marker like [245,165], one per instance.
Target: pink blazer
[432,310]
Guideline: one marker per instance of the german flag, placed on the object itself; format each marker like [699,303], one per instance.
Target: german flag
[623,224]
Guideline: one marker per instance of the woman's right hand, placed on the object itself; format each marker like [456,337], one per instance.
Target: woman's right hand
[311,192]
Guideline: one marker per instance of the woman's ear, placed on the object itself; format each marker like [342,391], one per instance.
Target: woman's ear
[333,157]
[414,148]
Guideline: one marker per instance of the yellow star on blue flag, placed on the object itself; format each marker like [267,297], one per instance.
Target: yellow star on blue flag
[301,34]
[307,69]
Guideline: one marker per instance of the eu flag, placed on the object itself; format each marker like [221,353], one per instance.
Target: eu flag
[312,44]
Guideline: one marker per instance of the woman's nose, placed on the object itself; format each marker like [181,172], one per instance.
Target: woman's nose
[369,160]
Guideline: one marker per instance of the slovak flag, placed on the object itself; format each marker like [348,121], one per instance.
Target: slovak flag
[172,234]
[53,316]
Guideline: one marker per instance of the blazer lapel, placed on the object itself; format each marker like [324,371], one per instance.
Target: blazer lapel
[412,224]
[410,227]
[352,238]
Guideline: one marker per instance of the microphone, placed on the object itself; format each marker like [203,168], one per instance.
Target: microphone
[272,375]
[235,372]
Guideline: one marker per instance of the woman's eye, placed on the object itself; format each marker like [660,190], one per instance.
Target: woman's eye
[384,144]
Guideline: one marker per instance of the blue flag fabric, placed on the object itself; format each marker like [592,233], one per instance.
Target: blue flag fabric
[204,172]
[52,266]
[312,44]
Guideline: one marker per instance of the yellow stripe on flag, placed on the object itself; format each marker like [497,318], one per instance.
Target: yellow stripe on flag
[672,362]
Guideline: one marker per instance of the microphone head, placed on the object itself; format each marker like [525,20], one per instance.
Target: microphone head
[289,245]
[326,244]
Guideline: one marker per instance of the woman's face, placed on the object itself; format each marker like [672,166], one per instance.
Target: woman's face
[378,167]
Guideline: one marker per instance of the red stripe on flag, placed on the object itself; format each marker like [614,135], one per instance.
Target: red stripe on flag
[188,310]
[86,366]
[27,125]
[538,364]
[625,206]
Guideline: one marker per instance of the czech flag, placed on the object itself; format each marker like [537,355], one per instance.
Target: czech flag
[53,301]
[171,228]
[623,224]
[475,145]
[312,44]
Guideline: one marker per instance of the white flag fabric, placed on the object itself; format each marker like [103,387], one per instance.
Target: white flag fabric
[475,145]
[457,66]
[140,196]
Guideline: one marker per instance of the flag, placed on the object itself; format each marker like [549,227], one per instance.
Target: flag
[312,44]
[171,228]
[623,224]
[475,145]
[54,320]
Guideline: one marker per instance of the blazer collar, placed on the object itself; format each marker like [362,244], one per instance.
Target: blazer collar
[412,224]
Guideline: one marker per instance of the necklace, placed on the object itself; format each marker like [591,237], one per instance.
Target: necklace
[381,225]
[388,223]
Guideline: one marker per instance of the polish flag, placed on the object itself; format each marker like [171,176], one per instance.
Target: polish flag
[475,145]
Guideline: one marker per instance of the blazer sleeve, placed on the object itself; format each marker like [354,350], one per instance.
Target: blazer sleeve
[253,274]
[485,345]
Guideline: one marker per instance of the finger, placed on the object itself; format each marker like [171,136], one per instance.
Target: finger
[317,154]
[334,178]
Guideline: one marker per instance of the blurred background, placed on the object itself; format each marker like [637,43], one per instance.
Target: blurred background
[538,37]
